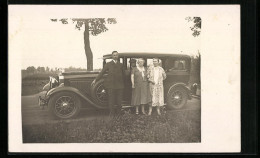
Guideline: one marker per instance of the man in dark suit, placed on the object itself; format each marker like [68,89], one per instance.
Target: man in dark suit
[114,82]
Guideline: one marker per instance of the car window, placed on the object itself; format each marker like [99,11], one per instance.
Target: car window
[175,64]
[128,64]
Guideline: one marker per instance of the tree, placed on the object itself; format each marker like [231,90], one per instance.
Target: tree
[31,69]
[93,26]
[42,69]
[197,25]
[47,69]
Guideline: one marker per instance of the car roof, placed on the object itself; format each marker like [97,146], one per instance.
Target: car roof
[146,54]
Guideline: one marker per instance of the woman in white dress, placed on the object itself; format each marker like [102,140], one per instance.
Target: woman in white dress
[156,75]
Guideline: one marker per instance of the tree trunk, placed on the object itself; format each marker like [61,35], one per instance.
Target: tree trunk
[88,51]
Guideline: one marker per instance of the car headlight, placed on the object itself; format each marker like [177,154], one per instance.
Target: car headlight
[61,79]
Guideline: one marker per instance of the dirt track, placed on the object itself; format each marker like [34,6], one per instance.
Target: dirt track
[33,114]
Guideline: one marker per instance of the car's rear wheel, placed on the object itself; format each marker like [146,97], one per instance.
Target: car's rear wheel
[64,105]
[99,93]
[177,98]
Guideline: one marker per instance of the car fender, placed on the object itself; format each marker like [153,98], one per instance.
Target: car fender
[73,90]
[181,85]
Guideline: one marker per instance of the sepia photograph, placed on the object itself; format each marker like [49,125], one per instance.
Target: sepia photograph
[112,76]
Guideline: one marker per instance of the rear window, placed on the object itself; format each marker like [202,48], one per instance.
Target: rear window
[175,64]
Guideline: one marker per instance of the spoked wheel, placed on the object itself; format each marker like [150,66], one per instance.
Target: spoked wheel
[64,105]
[99,93]
[177,98]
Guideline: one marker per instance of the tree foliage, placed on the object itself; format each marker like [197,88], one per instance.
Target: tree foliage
[40,69]
[96,25]
[196,28]
[31,69]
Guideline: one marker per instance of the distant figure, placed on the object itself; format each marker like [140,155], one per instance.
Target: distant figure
[114,83]
[156,75]
[140,89]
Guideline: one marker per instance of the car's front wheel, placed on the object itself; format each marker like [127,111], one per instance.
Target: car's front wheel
[64,105]
[177,98]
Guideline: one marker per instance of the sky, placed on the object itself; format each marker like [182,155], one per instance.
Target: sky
[41,42]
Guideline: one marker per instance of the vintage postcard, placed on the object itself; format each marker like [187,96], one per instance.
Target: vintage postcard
[124,78]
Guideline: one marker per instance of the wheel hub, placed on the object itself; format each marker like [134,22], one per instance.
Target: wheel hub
[176,97]
[64,104]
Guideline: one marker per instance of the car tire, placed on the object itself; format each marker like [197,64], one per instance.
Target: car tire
[177,98]
[99,94]
[64,105]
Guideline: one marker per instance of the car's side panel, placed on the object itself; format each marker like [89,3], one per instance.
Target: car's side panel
[175,77]
[82,84]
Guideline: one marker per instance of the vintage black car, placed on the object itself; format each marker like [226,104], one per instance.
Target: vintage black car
[72,91]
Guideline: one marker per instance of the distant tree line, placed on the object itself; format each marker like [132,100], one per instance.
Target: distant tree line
[34,70]
[45,71]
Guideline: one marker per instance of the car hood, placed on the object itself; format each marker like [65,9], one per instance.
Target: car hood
[79,74]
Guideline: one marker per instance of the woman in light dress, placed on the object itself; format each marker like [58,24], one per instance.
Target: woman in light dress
[156,75]
[140,90]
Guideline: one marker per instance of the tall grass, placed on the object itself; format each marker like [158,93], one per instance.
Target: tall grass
[171,127]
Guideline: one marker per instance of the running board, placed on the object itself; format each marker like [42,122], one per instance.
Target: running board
[195,96]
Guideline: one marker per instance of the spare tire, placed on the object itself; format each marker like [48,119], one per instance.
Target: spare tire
[99,93]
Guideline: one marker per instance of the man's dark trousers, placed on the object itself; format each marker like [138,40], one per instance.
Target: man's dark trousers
[115,98]
[114,83]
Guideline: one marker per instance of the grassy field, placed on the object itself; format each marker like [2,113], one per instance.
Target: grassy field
[34,86]
[171,127]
